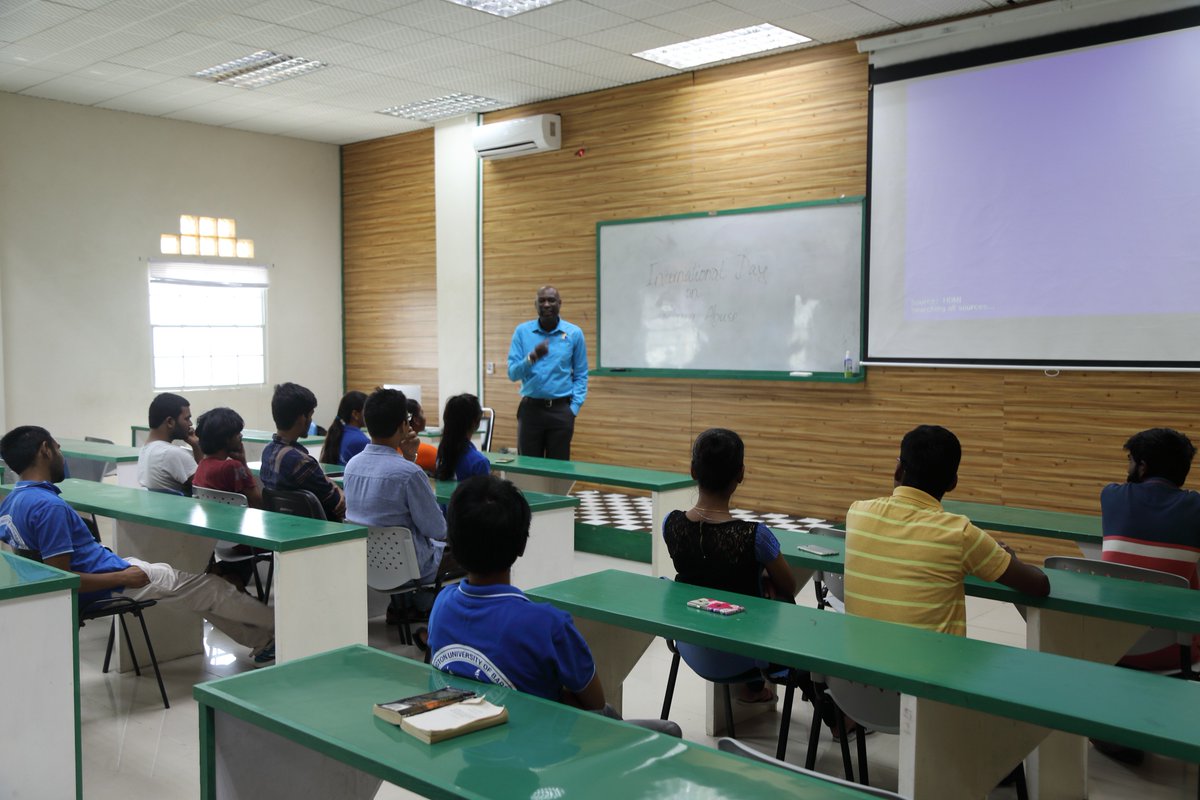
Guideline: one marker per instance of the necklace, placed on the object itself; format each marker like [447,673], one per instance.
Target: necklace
[704,511]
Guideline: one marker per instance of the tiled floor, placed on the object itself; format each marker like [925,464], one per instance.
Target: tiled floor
[134,749]
[632,513]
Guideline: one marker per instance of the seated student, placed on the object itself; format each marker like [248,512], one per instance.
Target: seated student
[906,558]
[1151,521]
[712,549]
[286,464]
[426,452]
[485,628]
[457,457]
[345,438]
[224,464]
[386,489]
[38,519]
[161,463]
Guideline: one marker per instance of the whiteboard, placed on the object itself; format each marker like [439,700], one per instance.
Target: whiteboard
[775,290]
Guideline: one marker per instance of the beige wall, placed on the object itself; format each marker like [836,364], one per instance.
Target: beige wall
[84,195]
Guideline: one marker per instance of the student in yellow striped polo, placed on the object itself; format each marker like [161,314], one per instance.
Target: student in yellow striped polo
[906,558]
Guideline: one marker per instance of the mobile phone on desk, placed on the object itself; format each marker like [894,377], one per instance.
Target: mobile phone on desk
[715,606]
[816,550]
[505,460]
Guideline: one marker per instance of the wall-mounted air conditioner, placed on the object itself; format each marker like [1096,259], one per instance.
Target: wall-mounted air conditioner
[518,137]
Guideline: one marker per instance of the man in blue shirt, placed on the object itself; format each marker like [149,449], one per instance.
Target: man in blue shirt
[34,517]
[386,489]
[549,357]
[487,629]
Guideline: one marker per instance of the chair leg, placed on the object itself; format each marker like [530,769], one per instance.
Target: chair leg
[846,763]
[162,690]
[729,711]
[258,587]
[814,730]
[1022,788]
[862,757]
[785,724]
[670,695]
[112,635]
[137,669]
[270,579]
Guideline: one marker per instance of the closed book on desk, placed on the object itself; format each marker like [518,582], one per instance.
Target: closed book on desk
[452,720]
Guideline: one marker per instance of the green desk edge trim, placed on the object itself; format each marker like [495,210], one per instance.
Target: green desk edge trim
[608,474]
[614,542]
[33,578]
[837,644]
[1070,593]
[538,501]
[1037,522]
[106,500]
[98,451]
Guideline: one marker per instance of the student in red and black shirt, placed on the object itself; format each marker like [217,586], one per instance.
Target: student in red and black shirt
[224,464]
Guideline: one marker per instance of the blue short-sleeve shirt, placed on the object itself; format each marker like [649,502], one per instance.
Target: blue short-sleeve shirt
[35,517]
[496,634]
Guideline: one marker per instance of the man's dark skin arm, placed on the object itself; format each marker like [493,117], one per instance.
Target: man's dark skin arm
[1025,578]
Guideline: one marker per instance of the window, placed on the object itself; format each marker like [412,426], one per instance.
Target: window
[208,324]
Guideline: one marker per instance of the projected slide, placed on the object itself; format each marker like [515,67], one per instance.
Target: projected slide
[1040,209]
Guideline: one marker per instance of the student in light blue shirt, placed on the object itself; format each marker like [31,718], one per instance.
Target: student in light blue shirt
[549,357]
[385,488]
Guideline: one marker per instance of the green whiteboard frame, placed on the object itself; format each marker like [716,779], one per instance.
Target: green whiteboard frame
[859,376]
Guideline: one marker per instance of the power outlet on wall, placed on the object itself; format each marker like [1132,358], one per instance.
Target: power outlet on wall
[490,368]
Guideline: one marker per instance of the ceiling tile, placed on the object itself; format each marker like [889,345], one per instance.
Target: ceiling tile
[72,89]
[16,78]
[30,18]
[703,20]
[631,38]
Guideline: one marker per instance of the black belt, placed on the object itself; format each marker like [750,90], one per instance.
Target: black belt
[548,402]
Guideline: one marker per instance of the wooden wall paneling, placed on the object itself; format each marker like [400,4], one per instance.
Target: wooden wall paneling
[776,130]
[390,264]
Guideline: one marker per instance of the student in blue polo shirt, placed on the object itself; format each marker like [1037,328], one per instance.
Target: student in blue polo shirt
[487,629]
[34,517]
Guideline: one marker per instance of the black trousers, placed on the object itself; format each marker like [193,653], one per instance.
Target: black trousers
[544,430]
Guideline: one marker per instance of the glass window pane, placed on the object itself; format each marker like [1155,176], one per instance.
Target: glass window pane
[250,341]
[250,369]
[168,342]
[197,371]
[224,371]
[168,373]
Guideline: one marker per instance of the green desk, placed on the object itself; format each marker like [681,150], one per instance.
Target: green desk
[668,491]
[305,729]
[88,460]
[1083,529]
[1086,616]
[320,571]
[550,553]
[969,709]
[253,441]
[40,678]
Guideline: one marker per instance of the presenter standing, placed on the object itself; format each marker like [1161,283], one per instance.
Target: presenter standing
[549,357]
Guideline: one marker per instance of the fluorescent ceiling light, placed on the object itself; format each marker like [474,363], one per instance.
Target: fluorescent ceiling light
[504,8]
[450,105]
[723,46]
[258,69]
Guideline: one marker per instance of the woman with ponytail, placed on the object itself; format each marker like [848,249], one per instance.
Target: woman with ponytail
[457,458]
[346,438]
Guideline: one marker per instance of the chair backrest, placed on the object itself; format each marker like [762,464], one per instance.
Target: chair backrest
[228,498]
[391,558]
[727,745]
[110,467]
[1152,640]
[869,706]
[85,469]
[487,425]
[717,666]
[297,502]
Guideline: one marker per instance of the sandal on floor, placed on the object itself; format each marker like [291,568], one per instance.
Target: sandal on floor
[420,638]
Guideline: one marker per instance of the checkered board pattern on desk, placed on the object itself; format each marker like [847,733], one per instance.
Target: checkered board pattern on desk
[628,513]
